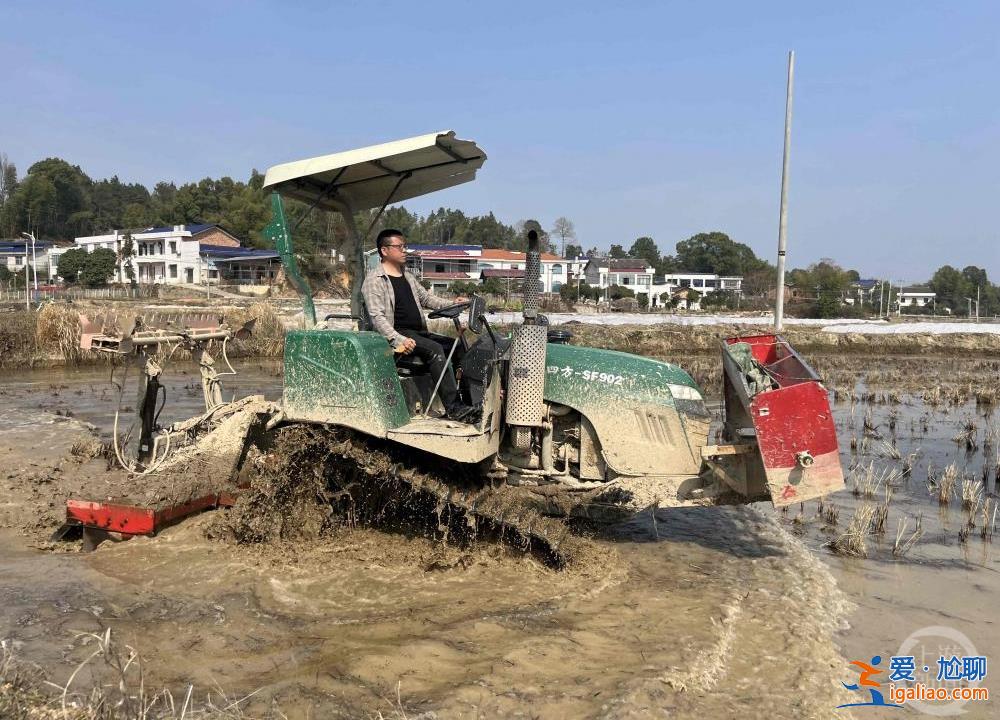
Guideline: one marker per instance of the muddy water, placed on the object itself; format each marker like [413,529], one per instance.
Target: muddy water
[942,581]
[708,613]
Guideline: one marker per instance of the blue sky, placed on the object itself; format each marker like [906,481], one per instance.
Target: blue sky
[660,119]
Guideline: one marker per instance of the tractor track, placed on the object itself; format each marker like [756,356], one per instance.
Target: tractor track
[303,480]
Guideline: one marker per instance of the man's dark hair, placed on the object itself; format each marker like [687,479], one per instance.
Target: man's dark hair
[383,238]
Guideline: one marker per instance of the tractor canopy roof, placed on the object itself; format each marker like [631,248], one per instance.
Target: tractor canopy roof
[378,175]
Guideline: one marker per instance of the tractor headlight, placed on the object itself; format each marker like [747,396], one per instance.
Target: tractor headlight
[684,392]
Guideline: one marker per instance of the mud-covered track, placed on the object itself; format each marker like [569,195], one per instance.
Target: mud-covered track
[304,479]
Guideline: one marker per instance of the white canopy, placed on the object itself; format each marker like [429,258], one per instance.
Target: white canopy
[380,174]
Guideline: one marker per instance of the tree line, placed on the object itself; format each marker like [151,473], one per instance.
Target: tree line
[58,201]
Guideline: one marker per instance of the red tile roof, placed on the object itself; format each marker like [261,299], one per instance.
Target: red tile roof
[446,276]
[500,254]
[517,274]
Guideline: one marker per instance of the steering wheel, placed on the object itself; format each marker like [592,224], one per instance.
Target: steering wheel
[452,311]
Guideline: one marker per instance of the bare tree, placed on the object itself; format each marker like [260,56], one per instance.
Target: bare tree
[564,230]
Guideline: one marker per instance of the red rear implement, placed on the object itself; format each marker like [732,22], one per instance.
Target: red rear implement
[772,397]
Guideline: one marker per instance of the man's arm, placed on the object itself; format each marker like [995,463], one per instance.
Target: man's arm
[374,297]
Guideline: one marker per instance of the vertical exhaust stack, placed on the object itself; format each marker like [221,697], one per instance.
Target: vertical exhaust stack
[532,275]
[526,378]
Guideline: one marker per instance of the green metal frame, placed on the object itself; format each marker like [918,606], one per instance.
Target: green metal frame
[277,232]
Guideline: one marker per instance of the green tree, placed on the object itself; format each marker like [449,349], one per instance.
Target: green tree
[464,287]
[645,248]
[71,264]
[617,252]
[617,292]
[666,265]
[716,252]
[125,255]
[99,267]
[951,287]
[494,286]
[573,251]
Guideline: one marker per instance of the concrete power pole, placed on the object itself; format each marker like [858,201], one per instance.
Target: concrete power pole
[779,296]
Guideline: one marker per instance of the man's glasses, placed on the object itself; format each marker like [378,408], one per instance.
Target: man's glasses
[401,246]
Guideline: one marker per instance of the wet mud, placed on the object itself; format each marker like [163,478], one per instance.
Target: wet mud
[719,612]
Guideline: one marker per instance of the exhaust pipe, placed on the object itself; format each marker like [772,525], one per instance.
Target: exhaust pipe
[526,375]
[532,277]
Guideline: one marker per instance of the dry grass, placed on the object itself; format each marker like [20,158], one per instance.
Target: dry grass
[57,331]
[946,484]
[119,691]
[972,493]
[989,519]
[968,436]
[268,337]
[853,542]
[17,338]
[880,515]
[52,334]
[905,542]
[889,450]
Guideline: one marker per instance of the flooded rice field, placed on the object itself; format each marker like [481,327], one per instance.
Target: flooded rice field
[686,613]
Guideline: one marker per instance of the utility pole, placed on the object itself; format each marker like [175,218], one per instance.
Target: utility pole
[27,286]
[779,296]
[34,261]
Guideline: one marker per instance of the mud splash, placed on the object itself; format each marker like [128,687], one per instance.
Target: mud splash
[304,481]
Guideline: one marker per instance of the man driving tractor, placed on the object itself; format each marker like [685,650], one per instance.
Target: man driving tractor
[394,300]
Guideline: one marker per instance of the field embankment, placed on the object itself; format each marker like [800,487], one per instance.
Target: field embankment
[50,336]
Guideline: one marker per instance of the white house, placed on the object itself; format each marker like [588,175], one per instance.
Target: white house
[556,271]
[193,254]
[603,272]
[683,301]
[441,265]
[915,297]
[15,253]
[637,274]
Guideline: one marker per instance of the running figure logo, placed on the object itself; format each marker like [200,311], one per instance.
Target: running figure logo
[866,681]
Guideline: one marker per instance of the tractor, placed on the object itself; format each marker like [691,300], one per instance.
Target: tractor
[564,430]
[580,430]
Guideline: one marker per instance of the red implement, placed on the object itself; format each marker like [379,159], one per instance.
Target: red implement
[134,519]
[773,396]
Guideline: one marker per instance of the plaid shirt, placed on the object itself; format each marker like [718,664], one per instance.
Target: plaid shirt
[381,302]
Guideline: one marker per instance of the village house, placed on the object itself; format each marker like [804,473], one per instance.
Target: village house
[15,253]
[918,296]
[683,300]
[187,254]
[442,265]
